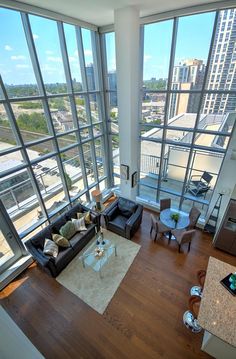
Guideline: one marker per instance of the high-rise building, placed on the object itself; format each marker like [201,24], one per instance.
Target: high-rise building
[188,75]
[222,74]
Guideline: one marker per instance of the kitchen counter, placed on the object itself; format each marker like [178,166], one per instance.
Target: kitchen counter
[217,314]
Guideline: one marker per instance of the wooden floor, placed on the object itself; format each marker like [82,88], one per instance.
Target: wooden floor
[143,320]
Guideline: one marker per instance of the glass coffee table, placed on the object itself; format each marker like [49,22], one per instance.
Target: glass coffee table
[97,255]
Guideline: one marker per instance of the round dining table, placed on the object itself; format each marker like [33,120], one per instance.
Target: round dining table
[183,221]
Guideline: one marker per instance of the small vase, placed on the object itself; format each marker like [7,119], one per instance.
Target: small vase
[232,286]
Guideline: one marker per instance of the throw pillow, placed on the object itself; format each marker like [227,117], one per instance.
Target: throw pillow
[68,230]
[60,241]
[86,215]
[79,224]
[50,248]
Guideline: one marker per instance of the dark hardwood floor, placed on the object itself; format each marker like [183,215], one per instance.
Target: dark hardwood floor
[143,320]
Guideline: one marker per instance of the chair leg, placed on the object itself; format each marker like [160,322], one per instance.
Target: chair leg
[189,245]
[179,247]
[170,235]
[155,237]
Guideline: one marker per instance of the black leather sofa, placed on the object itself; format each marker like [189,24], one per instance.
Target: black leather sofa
[55,265]
[123,217]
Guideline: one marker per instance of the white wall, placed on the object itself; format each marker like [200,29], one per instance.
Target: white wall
[128,74]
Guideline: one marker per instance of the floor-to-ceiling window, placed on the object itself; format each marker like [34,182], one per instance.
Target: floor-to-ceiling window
[188,105]
[52,138]
[109,62]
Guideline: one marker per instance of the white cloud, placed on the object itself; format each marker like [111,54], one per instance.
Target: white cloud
[18,57]
[88,52]
[22,66]
[8,48]
[47,68]
[146,57]
[48,52]
[54,59]
[35,36]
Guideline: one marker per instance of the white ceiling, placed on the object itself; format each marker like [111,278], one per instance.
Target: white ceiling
[101,12]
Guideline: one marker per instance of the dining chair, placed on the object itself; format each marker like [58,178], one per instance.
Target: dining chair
[158,227]
[194,215]
[183,237]
[165,204]
[190,316]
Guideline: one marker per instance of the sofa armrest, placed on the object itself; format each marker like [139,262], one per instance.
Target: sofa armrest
[134,221]
[107,211]
[39,256]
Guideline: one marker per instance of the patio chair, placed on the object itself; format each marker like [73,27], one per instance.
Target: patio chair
[199,185]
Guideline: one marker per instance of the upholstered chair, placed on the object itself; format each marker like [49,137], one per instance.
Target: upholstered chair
[158,227]
[165,204]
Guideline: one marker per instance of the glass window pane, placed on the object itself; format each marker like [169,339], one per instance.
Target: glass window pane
[67,140]
[49,180]
[15,68]
[61,114]
[150,163]
[153,108]
[147,193]
[5,250]
[192,50]
[213,141]
[18,196]
[10,160]
[49,54]
[83,117]
[7,137]
[174,168]
[97,130]
[88,160]
[151,132]
[85,133]
[89,60]
[100,156]
[31,120]
[72,169]
[40,149]
[95,108]
[112,106]
[218,112]
[221,75]
[183,108]
[72,49]
[157,46]
[179,136]
[115,154]
[111,60]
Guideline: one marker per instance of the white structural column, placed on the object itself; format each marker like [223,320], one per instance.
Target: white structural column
[128,75]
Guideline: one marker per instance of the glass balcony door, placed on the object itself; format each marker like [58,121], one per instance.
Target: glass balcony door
[10,249]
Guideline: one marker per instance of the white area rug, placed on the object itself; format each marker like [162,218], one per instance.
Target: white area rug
[87,284]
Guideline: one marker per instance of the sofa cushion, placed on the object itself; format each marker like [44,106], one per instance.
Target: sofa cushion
[79,224]
[39,238]
[126,207]
[50,248]
[60,240]
[63,256]
[119,221]
[86,215]
[81,239]
[68,230]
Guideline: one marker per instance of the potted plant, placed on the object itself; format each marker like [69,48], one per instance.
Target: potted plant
[175,217]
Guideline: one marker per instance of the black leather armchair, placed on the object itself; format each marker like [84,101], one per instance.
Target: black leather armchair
[123,217]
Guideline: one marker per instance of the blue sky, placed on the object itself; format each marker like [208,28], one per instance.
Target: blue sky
[15,63]
[194,35]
